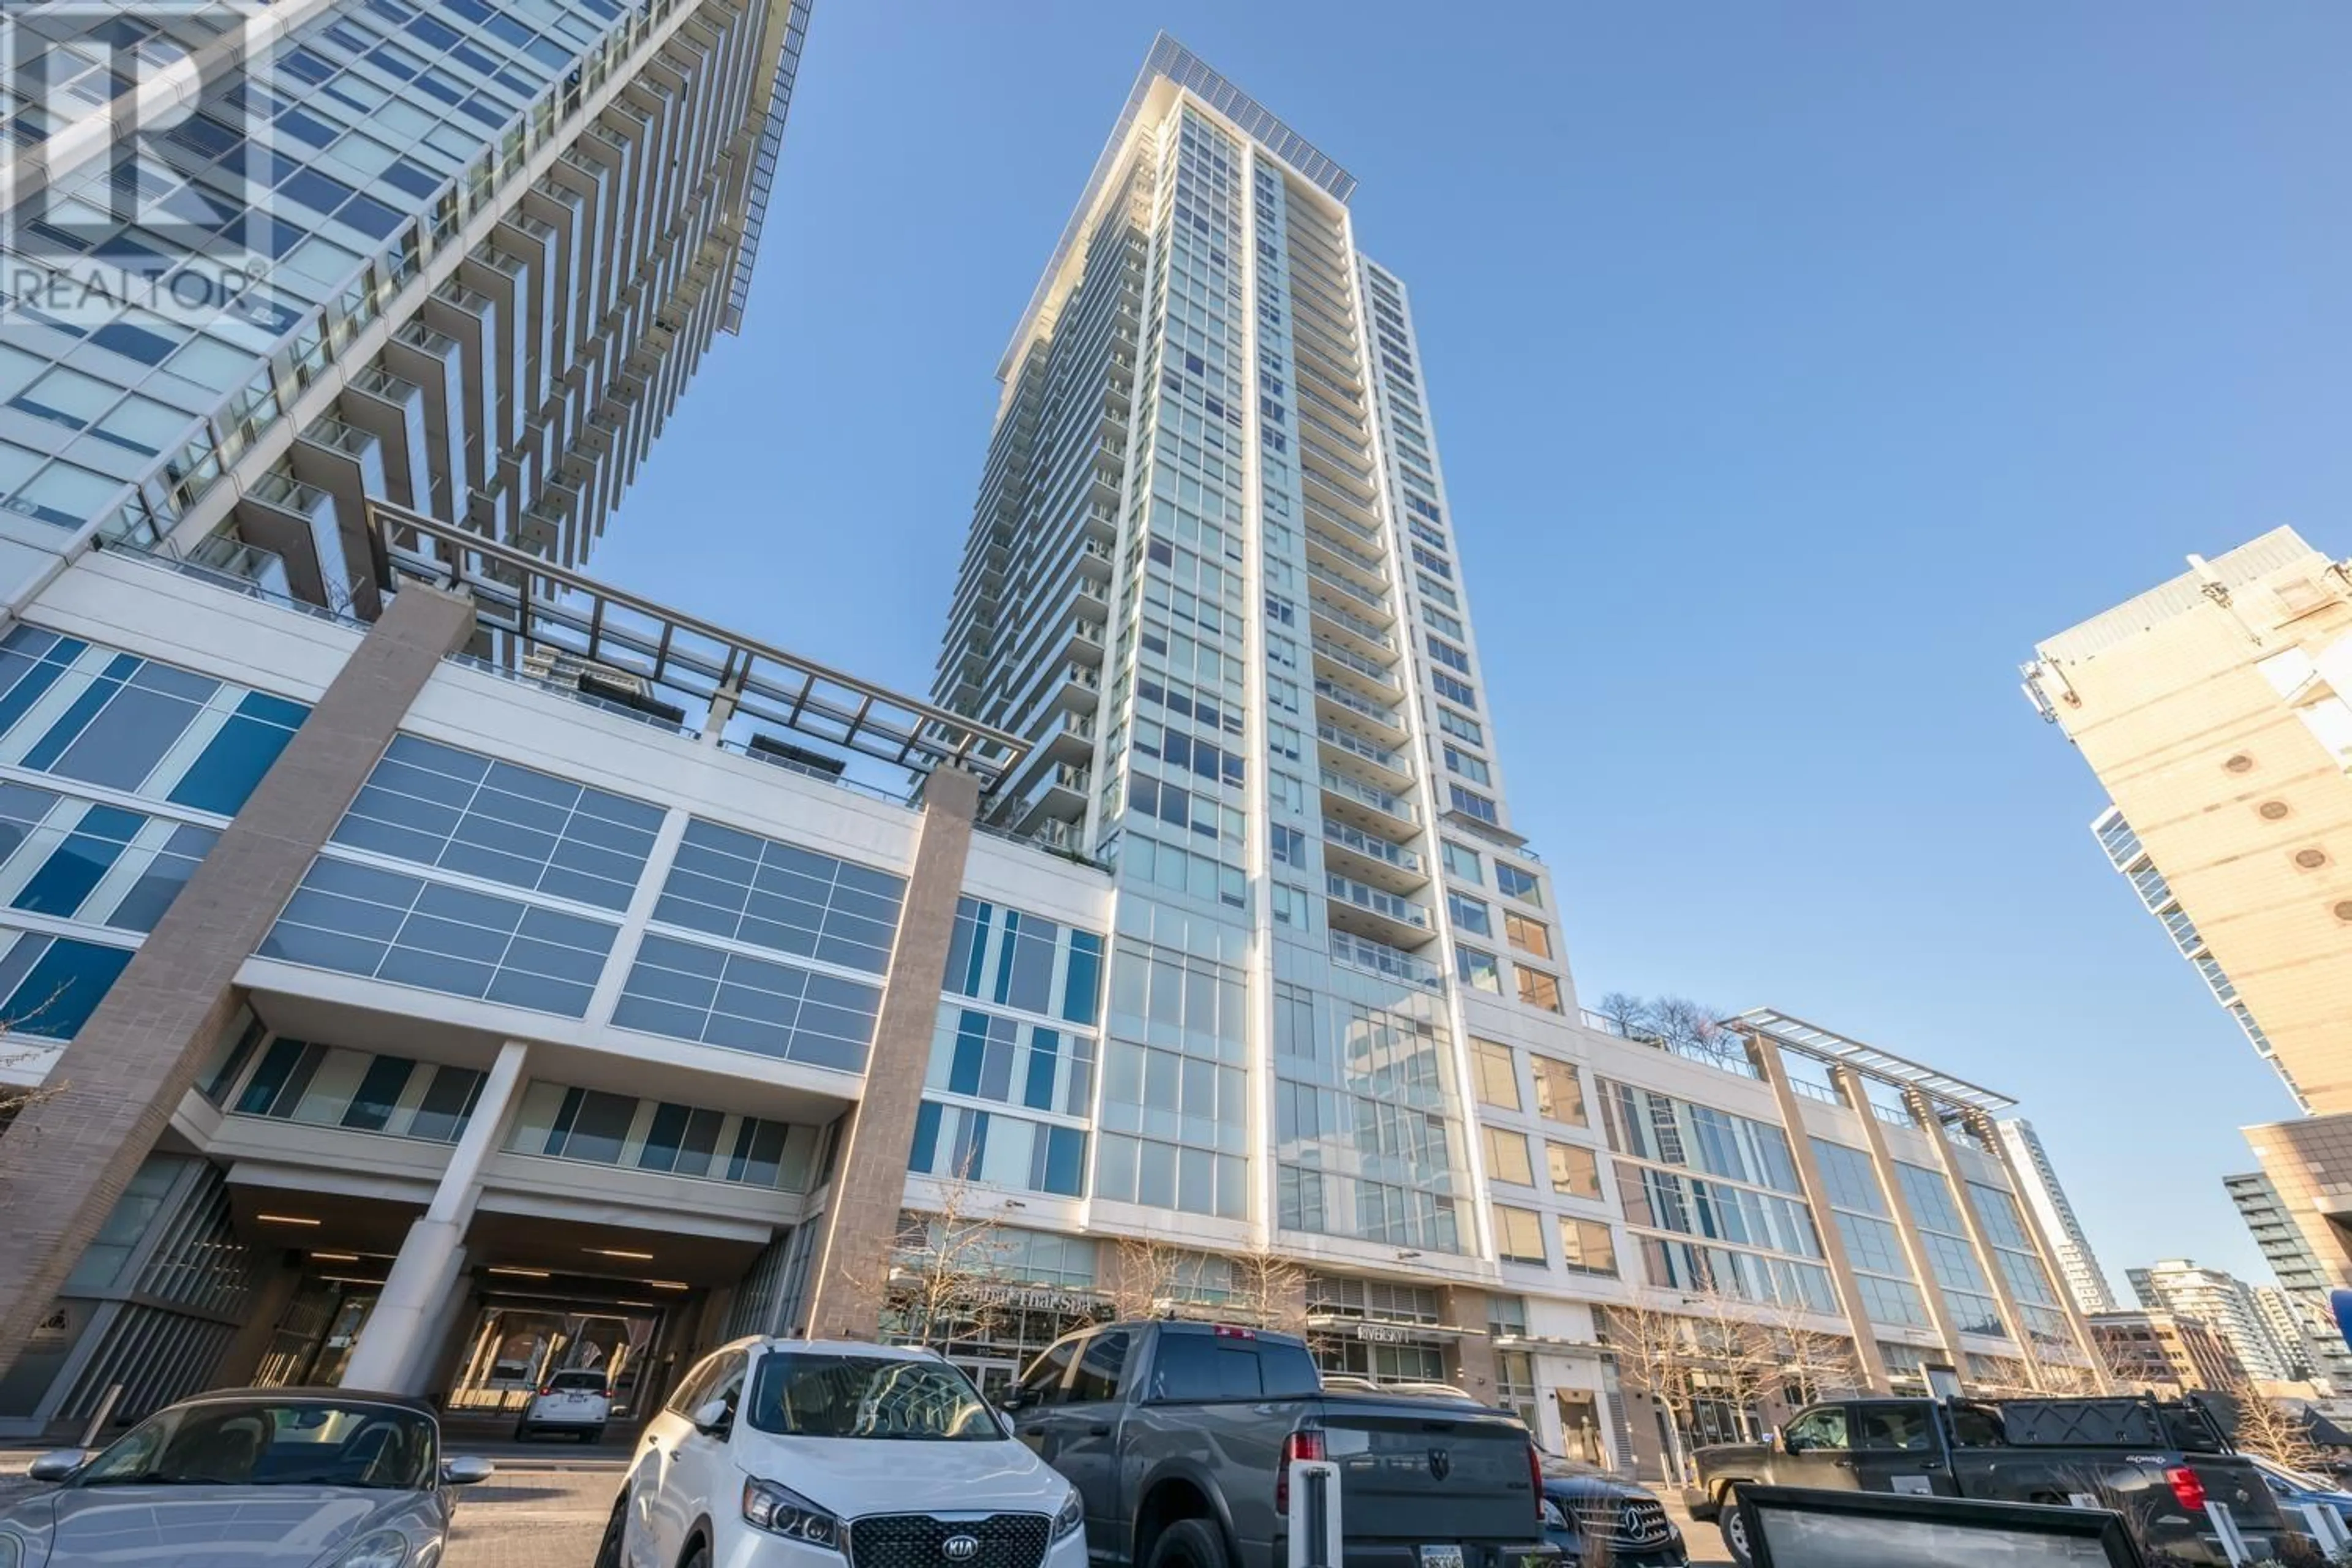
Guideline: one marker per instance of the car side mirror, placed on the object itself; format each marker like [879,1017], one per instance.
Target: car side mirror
[466,1469]
[1789,1445]
[1010,1400]
[713,1416]
[58,1465]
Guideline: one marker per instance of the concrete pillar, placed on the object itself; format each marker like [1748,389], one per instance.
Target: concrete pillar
[1924,1112]
[394,1355]
[2076,1323]
[68,1158]
[1866,1354]
[1470,1363]
[848,1279]
[1906,1224]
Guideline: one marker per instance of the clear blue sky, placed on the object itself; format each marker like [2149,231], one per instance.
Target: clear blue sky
[1795,368]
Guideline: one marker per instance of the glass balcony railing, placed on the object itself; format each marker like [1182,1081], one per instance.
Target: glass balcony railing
[1356,558]
[1379,755]
[1363,843]
[1379,958]
[1404,912]
[1331,692]
[1380,800]
[1363,667]
[1377,636]
[1362,596]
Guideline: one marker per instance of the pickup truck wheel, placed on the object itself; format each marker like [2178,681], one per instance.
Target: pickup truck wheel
[1188,1544]
[1734,1526]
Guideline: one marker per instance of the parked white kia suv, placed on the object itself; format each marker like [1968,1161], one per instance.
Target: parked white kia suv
[828,1454]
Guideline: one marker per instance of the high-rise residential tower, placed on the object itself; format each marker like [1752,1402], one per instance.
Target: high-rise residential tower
[2300,1275]
[2226,1304]
[2039,1181]
[265,261]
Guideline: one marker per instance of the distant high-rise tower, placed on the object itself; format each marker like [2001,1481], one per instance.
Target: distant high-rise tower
[2085,1280]
[2223,1302]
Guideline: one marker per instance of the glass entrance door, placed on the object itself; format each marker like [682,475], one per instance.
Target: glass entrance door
[990,1375]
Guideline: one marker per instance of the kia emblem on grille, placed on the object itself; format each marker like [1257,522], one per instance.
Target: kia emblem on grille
[959,1548]
[1441,1463]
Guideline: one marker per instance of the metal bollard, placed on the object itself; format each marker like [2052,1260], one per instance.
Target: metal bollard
[1314,1514]
[100,1417]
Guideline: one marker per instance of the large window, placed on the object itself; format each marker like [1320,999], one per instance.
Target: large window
[53,984]
[690,991]
[457,810]
[1023,961]
[1469,914]
[1477,969]
[1560,1094]
[1497,1078]
[1518,1235]
[558,1121]
[82,711]
[409,931]
[1587,1247]
[78,860]
[1537,989]
[329,1087]
[1575,1171]
[1526,933]
[1506,1157]
[774,895]
[1514,883]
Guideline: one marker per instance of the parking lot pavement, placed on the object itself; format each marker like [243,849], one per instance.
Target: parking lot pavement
[529,1517]
[1706,1542]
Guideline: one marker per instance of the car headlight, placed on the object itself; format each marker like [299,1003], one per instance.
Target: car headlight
[1552,1518]
[382,1549]
[1072,1517]
[780,1510]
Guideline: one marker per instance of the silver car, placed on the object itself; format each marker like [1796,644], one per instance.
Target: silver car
[258,1477]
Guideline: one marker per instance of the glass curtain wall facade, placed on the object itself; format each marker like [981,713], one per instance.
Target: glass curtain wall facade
[1211,577]
[456,256]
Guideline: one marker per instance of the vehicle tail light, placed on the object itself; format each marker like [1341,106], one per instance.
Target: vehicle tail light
[1535,1481]
[1228,1332]
[547,1390]
[1307,1445]
[2187,1489]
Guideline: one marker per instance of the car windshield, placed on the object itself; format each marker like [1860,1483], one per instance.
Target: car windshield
[271,1443]
[577,1382]
[815,1394]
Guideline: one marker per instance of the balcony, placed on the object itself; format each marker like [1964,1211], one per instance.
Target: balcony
[1077,688]
[1379,715]
[1393,768]
[1377,810]
[1383,917]
[1376,603]
[1379,958]
[299,524]
[1070,737]
[1332,508]
[1382,679]
[1345,561]
[1353,630]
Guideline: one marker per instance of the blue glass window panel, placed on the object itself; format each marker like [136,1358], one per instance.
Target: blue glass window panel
[372,1105]
[1082,986]
[927,1137]
[225,773]
[64,986]
[968,950]
[1065,1159]
[121,746]
[76,866]
[276,1066]
[1044,1048]
[318,949]
[778,896]
[971,1045]
[78,714]
[31,660]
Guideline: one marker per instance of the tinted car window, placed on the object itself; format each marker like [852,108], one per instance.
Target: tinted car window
[1901,1427]
[689,1393]
[1219,1366]
[578,1379]
[1100,1363]
[1287,1372]
[1821,1429]
[1042,1383]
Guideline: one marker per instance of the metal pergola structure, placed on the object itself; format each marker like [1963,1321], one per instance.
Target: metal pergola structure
[539,605]
[1827,1046]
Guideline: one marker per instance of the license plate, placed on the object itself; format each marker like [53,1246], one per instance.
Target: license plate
[1441,1557]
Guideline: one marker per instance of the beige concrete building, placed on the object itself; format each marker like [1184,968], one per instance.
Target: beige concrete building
[2167,1353]
[2217,711]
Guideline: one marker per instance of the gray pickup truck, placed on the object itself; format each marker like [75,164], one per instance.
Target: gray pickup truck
[2160,1465]
[1179,1436]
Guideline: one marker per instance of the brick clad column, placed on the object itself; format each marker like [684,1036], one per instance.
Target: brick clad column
[848,1278]
[68,1158]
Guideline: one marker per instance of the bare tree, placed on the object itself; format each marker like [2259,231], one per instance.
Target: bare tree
[944,1276]
[1146,1278]
[2270,1428]
[1657,1354]
[1269,1292]
[1811,1364]
[1675,1024]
